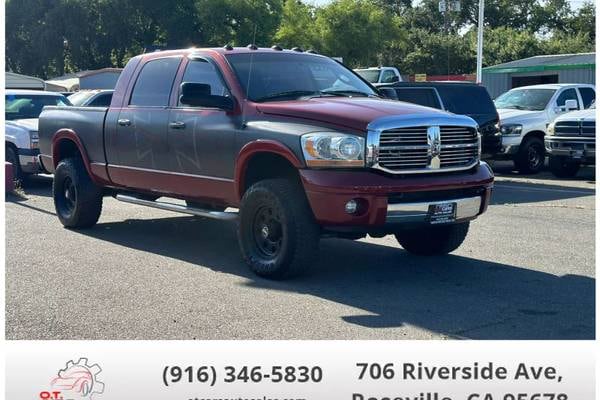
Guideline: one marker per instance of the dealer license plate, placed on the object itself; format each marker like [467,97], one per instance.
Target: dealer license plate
[442,213]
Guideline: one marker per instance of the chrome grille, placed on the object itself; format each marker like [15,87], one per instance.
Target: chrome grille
[427,148]
[588,128]
[575,128]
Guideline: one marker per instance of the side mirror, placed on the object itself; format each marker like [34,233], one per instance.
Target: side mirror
[571,105]
[198,95]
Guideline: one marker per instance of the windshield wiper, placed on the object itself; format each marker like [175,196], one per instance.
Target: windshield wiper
[349,93]
[290,93]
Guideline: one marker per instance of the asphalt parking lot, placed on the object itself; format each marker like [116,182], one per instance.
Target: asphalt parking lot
[526,271]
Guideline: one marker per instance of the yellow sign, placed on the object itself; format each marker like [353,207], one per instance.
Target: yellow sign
[420,77]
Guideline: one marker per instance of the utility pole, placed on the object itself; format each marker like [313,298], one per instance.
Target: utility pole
[480,41]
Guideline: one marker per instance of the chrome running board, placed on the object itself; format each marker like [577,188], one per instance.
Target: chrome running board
[163,205]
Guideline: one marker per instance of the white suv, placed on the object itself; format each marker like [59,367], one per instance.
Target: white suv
[525,114]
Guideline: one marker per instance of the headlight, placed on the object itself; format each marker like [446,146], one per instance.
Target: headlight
[330,149]
[511,129]
[33,139]
[550,129]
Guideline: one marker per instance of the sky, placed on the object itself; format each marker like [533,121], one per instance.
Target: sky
[574,3]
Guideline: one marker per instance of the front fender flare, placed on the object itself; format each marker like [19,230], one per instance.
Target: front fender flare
[260,146]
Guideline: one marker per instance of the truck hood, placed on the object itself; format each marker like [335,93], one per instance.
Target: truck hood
[354,113]
[30,124]
[581,115]
[509,115]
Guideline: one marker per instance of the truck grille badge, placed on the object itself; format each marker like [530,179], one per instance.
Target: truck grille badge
[435,146]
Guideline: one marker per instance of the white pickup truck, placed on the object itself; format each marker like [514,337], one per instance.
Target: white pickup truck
[376,75]
[525,114]
[571,142]
[22,109]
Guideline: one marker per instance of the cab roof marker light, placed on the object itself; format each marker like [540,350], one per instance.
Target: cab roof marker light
[228,47]
[252,47]
[276,47]
[298,49]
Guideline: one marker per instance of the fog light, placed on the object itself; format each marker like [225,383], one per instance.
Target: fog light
[351,206]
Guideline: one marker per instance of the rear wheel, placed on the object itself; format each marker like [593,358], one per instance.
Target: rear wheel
[78,201]
[531,156]
[433,240]
[278,235]
[563,167]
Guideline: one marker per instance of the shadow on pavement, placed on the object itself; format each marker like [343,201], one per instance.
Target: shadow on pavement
[507,169]
[455,296]
[513,192]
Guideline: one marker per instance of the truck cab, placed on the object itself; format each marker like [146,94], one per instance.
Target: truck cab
[525,114]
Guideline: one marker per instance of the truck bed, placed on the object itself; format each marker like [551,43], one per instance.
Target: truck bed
[87,123]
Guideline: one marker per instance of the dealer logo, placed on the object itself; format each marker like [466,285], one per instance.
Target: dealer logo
[77,381]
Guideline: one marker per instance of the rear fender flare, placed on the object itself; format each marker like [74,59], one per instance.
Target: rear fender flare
[70,135]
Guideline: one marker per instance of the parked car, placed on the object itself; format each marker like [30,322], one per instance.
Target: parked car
[22,109]
[296,141]
[92,98]
[526,112]
[571,142]
[457,97]
[376,75]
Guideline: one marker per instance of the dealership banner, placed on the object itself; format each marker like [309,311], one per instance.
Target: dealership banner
[321,370]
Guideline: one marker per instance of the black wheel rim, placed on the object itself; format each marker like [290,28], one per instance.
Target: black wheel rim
[534,157]
[67,196]
[267,231]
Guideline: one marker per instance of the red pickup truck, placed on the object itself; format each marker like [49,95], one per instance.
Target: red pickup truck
[299,144]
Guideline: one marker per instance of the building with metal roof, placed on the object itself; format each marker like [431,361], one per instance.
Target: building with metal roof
[18,81]
[560,68]
[105,78]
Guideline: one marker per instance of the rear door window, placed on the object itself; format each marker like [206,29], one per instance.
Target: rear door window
[153,85]
[467,99]
[422,96]
[588,95]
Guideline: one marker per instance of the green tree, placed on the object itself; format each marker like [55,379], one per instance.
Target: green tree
[298,26]
[367,31]
[505,44]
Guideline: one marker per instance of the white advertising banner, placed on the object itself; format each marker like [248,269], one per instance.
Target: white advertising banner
[323,370]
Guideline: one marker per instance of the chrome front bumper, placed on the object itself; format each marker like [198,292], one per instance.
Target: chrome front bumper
[466,208]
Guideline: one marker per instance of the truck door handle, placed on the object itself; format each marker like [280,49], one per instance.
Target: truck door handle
[177,125]
[124,122]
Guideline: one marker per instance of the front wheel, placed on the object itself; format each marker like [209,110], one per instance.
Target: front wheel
[78,201]
[531,156]
[563,167]
[433,240]
[278,235]
[12,157]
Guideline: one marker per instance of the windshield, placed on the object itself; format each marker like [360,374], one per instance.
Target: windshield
[287,76]
[525,99]
[80,98]
[371,75]
[20,106]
